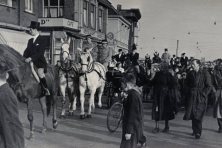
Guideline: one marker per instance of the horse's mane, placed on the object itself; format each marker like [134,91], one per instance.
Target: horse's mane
[12,57]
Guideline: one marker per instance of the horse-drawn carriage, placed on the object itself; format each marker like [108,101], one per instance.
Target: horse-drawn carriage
[113,85]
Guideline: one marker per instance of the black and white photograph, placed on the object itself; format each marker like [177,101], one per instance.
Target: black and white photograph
[110,73]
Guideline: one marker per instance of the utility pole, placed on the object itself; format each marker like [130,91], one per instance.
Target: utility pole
[177,48]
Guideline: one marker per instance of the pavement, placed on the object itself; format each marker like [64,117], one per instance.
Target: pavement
[92,133]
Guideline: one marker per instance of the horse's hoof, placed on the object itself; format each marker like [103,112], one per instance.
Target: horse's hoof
[100,105]
[31,136]
[71,113]
[62,116]
[55,124]
[43,130]
[89,116]
[82,116]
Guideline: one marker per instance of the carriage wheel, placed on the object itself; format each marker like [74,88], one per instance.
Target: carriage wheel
[114,117]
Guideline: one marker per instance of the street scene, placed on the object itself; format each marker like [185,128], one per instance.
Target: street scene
[75,133]
[110,74]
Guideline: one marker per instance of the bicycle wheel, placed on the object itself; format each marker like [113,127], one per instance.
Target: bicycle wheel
[114,117]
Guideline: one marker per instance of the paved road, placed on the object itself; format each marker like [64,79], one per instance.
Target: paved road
[92,133]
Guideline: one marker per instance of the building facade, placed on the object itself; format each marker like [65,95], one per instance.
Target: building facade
[133,16]
[74,19]
[58,19]
[15,16]
[118,29]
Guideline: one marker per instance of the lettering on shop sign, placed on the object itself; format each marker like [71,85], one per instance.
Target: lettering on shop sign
[44,21]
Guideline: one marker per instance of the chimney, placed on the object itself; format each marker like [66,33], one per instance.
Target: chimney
[119,7]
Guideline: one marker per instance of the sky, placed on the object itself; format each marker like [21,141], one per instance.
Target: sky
[197,24]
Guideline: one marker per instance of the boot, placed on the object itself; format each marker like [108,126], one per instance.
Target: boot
[44,87]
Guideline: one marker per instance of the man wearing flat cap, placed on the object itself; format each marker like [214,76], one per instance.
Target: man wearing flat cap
[11,130]
[34,54]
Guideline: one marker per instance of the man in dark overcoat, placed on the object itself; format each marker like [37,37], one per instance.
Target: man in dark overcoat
[11,130]
[132,123]
[199,85]
[34,54]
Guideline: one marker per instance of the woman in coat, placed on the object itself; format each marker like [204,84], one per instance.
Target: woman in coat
[217,83]
[163,103]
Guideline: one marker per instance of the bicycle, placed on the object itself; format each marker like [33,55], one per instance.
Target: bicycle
[115,114]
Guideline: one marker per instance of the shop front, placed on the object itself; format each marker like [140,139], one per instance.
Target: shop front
[57,29]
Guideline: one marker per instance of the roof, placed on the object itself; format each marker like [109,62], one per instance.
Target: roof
[133,14]
[105,3]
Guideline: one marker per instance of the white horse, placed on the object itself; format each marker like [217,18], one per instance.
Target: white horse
[67,78]
[92,77]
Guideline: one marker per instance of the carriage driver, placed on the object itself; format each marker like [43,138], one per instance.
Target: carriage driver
[34,55]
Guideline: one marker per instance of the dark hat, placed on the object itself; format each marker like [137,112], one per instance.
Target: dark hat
[166,49]
[3,65]
[120,50]
[183,53]
[34,25]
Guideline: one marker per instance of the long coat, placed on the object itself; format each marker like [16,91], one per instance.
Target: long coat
[36,51]
[164,106]
[11,130]
[134,58]
[217,83]
[133,116]
[199,85]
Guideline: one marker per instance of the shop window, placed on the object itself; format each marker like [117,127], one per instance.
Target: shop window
[85,9]
[100,19]
[29,6]
[92,16]
[53,8]
[10,3]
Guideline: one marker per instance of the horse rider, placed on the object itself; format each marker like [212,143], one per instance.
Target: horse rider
[34,54]
[134,57]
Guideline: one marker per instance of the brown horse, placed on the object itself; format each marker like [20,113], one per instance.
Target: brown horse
[27,88]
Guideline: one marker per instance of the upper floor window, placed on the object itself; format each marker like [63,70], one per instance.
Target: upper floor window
[92,15]
[6,2]
[53,8]
[100,19]
[85,10]
[29,5]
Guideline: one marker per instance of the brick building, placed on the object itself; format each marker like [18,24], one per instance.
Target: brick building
[14,19]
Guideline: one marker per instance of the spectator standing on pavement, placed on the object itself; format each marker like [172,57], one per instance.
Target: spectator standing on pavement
[199,85]
[217,83]
[166,56]
[156,58]
[11,130]
[132,124]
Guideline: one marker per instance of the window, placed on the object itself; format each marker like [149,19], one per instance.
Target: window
[85,13]
[100,23]
[53,8]
[6,2]
[92,15]
[29,5]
